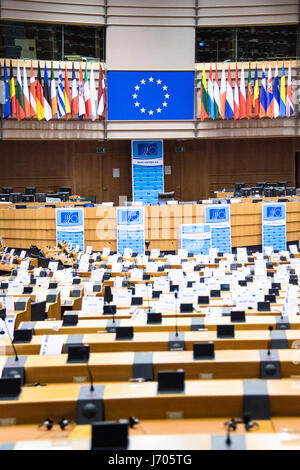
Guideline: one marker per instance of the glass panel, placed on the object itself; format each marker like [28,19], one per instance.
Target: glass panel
[215,44]
[83,42]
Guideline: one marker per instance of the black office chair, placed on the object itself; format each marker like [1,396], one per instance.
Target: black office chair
[7,190]
[30,190]
[38,311]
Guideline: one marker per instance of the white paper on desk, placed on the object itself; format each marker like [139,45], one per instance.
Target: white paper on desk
[42,282]
[214,312]
[112,259]
[118,281]
[241,251]
[187,297]
[136,274]
[142,259]
[7,327]
[122,297]
[89,250]
[65,292]
[36,272]
[97,274]
[11,252]
[141,290]
[53,265]
[176,275]
[152,267]
[88,288]
[24,264]
[162,284]
[15,287]
[23,254]
[105,251]
[117,267]
[24,276]
[182,253]
[188,266]
[127,252]
[139,315]
[154,253]
[40,296]
[51,345]
[167,302]
[84,267]
[8,303]
[293,249]
[91,304]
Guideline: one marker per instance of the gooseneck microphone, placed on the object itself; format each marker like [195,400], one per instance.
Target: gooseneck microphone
[270,340]
[91,378]
[3,317]
[176,323]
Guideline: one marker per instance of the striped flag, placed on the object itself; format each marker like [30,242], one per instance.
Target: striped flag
[229,106]
[32,93]
[6,101]
[204,97]
[87,94]
[282,105]
[53,93]
[263,94]
[216,95]
[26,92]
[93,94]
[12,90]
[101,95]
[67,96]
[242,97]
[60,96]
[47,95]
[20,107]
[74,93]
[211,95]
[223,94]
[249,95]
[256,95]
[289,96]
[236,95]
[81,102]
[276,93]
[39,96]
[270,97]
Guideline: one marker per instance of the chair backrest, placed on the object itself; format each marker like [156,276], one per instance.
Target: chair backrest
[38,311]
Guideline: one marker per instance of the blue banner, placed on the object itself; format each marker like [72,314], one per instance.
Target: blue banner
[150,96]
[147,170]
[196,238]
[70,226]
[130,229]
[274,226]
[218,216]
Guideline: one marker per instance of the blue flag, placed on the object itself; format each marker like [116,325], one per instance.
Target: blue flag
[7,103]
[150,96]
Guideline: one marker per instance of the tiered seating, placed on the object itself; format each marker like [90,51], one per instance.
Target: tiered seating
[222,331]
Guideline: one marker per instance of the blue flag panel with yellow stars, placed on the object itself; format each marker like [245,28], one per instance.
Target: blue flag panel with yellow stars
[150,96]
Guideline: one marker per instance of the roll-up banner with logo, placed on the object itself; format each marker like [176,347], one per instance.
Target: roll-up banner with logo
[70,226]
[218,217]
[196,238]
[274,226]
[130,230]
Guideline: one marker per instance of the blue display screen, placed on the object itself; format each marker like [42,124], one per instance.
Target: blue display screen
[148,149]
[274,212]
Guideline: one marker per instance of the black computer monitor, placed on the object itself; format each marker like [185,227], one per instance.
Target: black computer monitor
[290,191]
[40,197]
[280,191]
[27,198]
[238,186]
[257,191]
[245,192]
[4,197]
[261,184]
[65,189]
[7,190]
[63,196]
[15,197]
[282,184]
[270,191]
[163,197]
[30,190]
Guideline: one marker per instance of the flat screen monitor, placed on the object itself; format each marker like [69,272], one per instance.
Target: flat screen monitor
[166,196]
[27,198]
[261,184]
[280,191]
[30,190]
[7,190]
[245,192]
[15,197]
[270,192]
[238,186]
[290,191]
[4,197]
[65,189]
[257,191]
[40,197]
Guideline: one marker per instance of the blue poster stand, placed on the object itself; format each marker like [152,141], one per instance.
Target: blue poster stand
[196,238]
[70,226]
[274,226]
[130,229]
[218,217]
[147,170]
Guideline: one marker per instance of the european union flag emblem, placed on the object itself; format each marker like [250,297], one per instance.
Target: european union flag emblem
[150,96]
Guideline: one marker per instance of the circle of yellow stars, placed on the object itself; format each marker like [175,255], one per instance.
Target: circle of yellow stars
[139,87]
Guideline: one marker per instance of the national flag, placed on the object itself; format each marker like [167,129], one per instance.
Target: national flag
[67,94]
[216,95]
[47,95]
[101,110]
[20,107]
[60,96]
[236,95]
[263,94]
[276,93]
[39,96]
[270,96]
[87,94]
[282,106]
[12,90]
[211,107]
[26,92]
[32,93]
[81,102]
[74,93]
[93,94]
[204,97]
[53,93]
[6,101]
[223,94]
[249,95]
[256,95]
[229,106]
[289,95]
[242,97]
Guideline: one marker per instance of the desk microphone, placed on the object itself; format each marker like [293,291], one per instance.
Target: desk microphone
[269,341]
[91,378]
[112,312]
[149,309]
[3,317]
[176,325]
